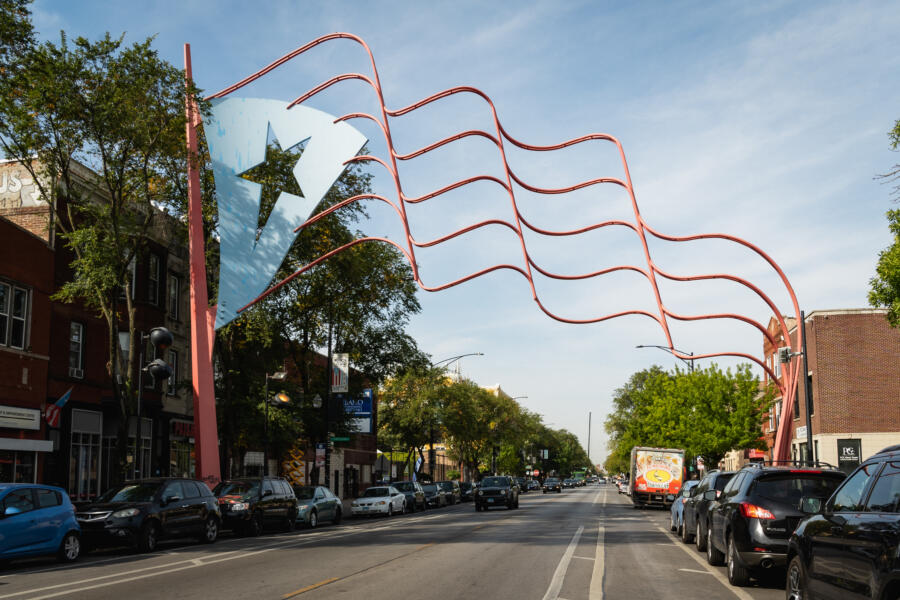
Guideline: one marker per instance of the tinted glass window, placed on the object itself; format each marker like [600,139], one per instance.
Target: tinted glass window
[850,496]
[704,485]
[734,484]
[21,499]
[174,489]
[132,492]
[790,487]
[495,482]
[376,492]
[405,486]
[885,496]
[722,480]
[47,498]
[244,489]
[267,487]
[190,489]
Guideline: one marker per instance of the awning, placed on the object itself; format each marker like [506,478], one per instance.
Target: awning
[26,445]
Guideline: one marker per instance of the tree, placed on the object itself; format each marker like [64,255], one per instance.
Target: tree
[885,286]
[706,412]
[100,128]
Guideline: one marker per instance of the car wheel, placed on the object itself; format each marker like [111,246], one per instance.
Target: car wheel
[686,536]
[69,548]
[290,521]
[148,538]
[390,510]
[210,530]
[713,556]
[738,574]
[795,589]
[337,517]
[313,520]
[672,522]
[700,537]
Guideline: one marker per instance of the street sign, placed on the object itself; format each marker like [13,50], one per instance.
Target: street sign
[536,473]
[340,439]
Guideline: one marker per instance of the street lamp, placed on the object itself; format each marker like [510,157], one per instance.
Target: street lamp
[672,351]
[431,452]
[161,338]
[280,399]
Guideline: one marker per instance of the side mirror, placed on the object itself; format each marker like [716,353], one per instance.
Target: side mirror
[811,505]
[267,493]
[170,499]
[710,495]
[11,510]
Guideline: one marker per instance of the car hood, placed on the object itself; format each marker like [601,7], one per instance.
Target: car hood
[112,506]
[372,498]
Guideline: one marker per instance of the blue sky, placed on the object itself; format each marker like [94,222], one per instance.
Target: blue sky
[764,120]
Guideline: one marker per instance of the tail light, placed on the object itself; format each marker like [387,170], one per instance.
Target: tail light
[752,511]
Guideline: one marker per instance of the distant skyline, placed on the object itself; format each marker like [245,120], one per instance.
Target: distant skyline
[764,120]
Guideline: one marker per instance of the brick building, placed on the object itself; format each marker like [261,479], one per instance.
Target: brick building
[854,374]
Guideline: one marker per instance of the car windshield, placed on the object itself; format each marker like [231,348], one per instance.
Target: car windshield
[305,492]
[375,492]
[446,486]
[465,485]
[130,492]
[495,482]
[243,489]
[789,488]
[405,486]
[429,487]
[552,480]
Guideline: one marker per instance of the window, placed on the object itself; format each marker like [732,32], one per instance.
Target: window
[812,409]
[172,382]
[13,315]
[190,489]
[885,496]
[174,489]
[153,279]
[267,487]
[797,403]
[48,498]
[76,350]
[734,484]
[84,454]
[20,499]
[174,295]
[849,498]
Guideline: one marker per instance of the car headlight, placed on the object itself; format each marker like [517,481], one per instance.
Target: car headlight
[480,493]
[380,502]
[240,506]
[502,492]
[127,512]
[304,508]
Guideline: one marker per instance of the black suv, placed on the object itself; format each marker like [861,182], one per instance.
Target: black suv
[758,511]
[415,495]
[142,512]
[250,505]
[851,548]
[695,518]
[552,484]
[466,491]
[497,491]
[451,490]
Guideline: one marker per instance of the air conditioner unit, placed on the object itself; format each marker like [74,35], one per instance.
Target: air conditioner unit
[76,373]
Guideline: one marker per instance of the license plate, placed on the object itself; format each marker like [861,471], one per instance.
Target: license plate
[490,499]
[365,508]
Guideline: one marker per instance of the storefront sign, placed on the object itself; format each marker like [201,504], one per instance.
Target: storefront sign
[13,417]
[182,428]
[849,452]
[800,433]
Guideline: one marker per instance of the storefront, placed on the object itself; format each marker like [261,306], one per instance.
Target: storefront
[19,456]
[181,448]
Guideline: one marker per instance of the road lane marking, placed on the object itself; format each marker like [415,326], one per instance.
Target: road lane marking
[310,587]
[595,592]
[584,557]
[560,574]
[708,568]
[695,571]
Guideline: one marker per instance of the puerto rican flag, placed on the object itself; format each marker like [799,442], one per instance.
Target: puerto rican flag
[54,410]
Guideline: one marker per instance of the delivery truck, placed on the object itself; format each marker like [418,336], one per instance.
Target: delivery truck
[656,475]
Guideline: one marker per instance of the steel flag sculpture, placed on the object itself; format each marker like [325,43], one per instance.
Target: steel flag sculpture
[243,287]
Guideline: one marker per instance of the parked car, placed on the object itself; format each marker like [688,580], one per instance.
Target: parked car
[851,548]
[552,484]
[384,500]
[533,485]
[676,511]
[316,503]
[696,510]
[466,491]
[251,505]
[523,485]
[435,496]
[451,491]
[757,512]
[143,512]
[415,495]
[37,520]
[497,491]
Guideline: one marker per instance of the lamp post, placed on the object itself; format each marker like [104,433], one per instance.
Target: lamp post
[281,399]
[431,452]
[672,351]
[161,338]
[317,404]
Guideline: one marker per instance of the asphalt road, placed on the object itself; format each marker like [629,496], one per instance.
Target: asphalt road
[584,544]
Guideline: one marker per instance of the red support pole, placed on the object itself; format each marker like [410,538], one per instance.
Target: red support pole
[202,334]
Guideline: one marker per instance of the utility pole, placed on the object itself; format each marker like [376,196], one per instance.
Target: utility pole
[589,435]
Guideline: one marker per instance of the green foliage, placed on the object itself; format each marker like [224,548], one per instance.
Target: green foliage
[707,413]
[884,288]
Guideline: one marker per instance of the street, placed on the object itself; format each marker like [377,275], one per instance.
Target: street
[586,543]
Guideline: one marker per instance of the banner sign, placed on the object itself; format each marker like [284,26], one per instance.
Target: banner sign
[340,373]
[320,455]
[361,411]
[849,452]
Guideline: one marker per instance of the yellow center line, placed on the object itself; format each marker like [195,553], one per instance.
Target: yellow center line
[309,588]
